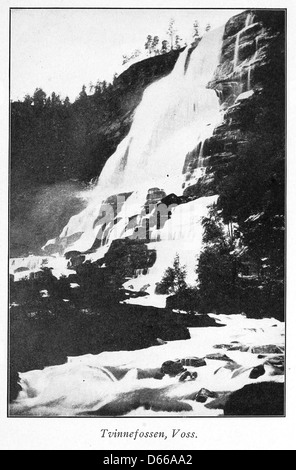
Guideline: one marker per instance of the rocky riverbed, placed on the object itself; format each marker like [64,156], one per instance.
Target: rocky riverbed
[237,369]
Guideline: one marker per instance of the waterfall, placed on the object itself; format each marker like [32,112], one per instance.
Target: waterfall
[248,24]
[175,114]
[22,268]
[252,64]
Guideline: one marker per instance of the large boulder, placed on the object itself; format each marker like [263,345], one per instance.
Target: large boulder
[262,399]
[257,372]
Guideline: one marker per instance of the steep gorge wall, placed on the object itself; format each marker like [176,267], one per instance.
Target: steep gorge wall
[250,81]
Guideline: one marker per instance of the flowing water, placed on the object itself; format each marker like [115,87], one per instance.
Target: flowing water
[87,383]
[175,115]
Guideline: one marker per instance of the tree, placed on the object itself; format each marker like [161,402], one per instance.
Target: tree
[171,32]
[180,274]
[28,100]
[173,280]
[164,47]
[132,56]
[195,35]
[55,100]
[148,44]
[67,102]
[213,227]
[155,43]
[217,267]
[178,42]
[82,94]
[39,98]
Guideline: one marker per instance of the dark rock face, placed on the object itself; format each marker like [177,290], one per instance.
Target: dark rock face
[260,49]
[14,387]
[264,399]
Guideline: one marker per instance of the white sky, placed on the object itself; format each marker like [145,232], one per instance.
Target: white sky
[60,50]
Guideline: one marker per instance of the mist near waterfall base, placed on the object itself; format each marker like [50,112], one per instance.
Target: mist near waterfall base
[41,212]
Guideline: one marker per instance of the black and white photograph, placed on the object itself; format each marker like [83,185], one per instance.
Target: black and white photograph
[147,215]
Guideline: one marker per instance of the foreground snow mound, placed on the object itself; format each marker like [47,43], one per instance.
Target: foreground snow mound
[214,362]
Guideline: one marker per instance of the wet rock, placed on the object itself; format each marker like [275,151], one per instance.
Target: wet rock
[235,24]
[185,375]
[220,402]
[262,399]
[155,195]
[172,368]
[144,288]
[257,372]
[193,362]
[232,366]
[277,362]
[261,356]
[266,349]
[219,357]
[161,341]
[222,346]
[239,347]
[172,199]
[203,395]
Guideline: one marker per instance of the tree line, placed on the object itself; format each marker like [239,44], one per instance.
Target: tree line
[156,46]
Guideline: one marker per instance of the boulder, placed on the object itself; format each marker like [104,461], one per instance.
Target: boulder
[172,368]
[172,199]
[219,357]
[266,349]
[203,395]
[277,362]
[186,375]
[193,362]
[257,372]
[239,347]
[262,399]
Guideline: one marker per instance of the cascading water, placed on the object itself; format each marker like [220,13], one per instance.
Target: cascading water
[87,383]
[252,64]
[176,114]
[248,23]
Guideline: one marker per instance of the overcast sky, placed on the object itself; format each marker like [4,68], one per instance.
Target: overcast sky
[60,50]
